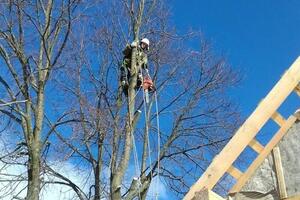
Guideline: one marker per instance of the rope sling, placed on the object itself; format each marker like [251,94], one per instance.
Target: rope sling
[135,153]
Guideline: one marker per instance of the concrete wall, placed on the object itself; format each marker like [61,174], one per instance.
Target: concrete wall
[263,184]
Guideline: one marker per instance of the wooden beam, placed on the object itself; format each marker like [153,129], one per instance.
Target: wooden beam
[248,130]
[279,173]
[262,156]
[234,172]
[277,117]
[256,146]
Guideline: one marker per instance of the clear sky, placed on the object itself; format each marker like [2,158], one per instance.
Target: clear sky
[259,37]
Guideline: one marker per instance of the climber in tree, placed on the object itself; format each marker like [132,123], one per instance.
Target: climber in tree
[141,60]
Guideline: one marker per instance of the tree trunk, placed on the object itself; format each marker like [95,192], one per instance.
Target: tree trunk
[117,177]
[116,187]
[98,168]
[33,189]
[97,183]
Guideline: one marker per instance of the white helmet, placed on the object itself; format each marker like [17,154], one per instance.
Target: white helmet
[145,41]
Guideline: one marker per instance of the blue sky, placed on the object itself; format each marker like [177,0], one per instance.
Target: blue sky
[259,38]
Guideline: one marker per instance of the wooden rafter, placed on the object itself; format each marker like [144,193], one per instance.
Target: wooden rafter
[246,133]
[262,156]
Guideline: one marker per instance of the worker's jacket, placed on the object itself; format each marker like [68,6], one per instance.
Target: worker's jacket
[141,58]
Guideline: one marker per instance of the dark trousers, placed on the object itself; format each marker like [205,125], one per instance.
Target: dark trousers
[125,75]
[125,70]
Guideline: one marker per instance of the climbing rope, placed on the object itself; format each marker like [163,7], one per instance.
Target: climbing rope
[158,144]
[137,165]
[147,134]
[135,154]
[149,144]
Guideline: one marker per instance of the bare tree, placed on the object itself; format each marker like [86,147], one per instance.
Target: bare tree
[196,115]
[86,119]
[33,36]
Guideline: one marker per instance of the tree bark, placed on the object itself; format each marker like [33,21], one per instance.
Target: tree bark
[98,169]
[34,173]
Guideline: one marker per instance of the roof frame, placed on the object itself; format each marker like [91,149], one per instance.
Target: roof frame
[245,136]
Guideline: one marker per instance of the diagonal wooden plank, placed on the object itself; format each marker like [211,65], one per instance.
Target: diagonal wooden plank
[248,130]
[256,146]
[261,157]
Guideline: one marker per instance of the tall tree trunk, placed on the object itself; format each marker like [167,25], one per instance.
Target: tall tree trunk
[97,183]
[98,169]
[34,147]
[33,190]
[117,177]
